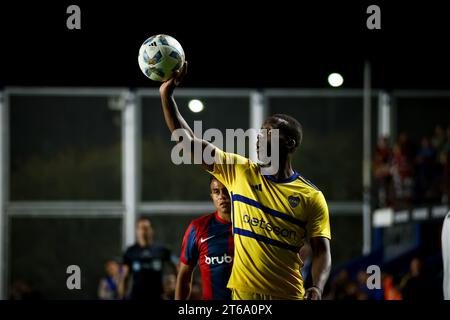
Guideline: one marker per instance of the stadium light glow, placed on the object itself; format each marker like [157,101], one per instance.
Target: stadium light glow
[195,105]
[335,80]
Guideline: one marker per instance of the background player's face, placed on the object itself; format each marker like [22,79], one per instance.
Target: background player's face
[220,196]
[112,268]
[144,232]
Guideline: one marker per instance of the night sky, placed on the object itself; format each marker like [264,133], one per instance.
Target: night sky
[228,44]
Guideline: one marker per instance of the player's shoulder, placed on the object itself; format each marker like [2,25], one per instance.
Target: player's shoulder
[202,222]
[224,157]
[308,188]
[304,182]
[160,248]
[132,249]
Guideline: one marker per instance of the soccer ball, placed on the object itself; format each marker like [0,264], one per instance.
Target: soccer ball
[160,56]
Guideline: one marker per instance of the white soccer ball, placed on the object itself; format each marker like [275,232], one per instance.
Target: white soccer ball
[160,56]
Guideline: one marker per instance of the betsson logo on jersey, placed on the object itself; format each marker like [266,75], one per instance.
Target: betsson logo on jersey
[264,225]
[218,260]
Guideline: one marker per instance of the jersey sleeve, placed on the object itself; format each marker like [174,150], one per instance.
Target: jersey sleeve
[318,224]
[227,166]
[189,248]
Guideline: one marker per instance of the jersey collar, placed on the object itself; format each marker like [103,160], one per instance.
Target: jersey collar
[218,218]
[286,180]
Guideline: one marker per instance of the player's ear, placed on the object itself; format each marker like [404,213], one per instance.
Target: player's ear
[291,144]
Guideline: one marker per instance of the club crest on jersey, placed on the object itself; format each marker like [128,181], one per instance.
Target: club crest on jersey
[293,201]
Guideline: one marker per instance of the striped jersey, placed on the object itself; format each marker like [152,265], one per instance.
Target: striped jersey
[208,241]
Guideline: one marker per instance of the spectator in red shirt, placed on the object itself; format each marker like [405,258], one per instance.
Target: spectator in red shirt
[402,175]
[382,172]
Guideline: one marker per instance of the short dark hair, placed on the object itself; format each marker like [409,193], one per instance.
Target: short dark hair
[289,126]
[140,219]
[212,178]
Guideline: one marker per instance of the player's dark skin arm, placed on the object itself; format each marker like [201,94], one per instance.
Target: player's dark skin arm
[320,269]
[184,282]
[172,115]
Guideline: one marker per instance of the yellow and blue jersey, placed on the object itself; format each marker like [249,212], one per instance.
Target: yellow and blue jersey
[270,219]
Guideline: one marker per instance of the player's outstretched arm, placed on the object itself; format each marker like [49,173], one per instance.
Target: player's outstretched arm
[184,282]
[320,269]
[173,117]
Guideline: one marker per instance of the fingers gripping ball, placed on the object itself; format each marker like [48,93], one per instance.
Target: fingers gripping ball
[160,56]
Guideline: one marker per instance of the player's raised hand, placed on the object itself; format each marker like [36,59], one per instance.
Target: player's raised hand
[175,80]
[179,75]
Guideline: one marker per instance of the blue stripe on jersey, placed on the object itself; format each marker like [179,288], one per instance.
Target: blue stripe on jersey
[307,182]
[191,250]
[287,180]
[264,239]
[232,210]
[219,273]
[210,248]
[278,214]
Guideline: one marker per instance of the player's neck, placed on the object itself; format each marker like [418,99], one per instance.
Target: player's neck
[145,243]
[285,171]
[224,216]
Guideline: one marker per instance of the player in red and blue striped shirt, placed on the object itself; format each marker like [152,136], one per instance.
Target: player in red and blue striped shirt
[208,241]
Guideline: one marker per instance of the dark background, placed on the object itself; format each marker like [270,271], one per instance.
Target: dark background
[228,43]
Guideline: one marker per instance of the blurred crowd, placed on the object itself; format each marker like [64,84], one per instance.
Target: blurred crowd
[413,284]
[410,285]
[109,286]
[137,276]
[413,173]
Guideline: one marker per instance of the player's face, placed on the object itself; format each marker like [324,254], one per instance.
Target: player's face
[220,196]
[144,231]
[264,139]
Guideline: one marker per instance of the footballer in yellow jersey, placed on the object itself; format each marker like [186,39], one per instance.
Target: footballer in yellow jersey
[271,219]
[272,215]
